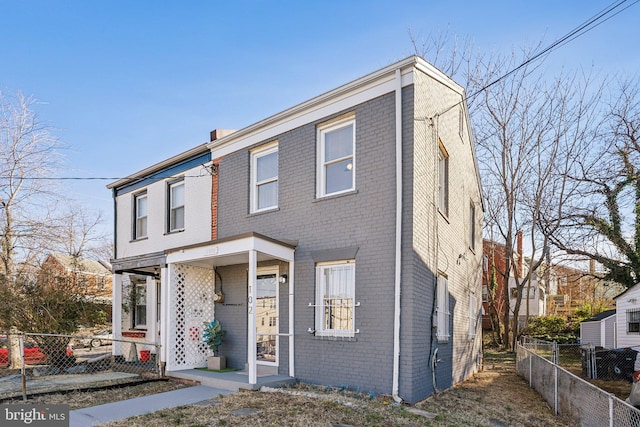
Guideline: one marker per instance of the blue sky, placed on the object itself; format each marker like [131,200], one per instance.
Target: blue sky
[129,83]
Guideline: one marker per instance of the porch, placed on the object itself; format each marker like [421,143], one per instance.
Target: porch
[233,381]
[222,280]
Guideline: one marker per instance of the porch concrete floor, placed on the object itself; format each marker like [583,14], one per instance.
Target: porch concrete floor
[232,381]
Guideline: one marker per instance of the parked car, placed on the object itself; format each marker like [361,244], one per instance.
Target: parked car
[32,353]
[99,339]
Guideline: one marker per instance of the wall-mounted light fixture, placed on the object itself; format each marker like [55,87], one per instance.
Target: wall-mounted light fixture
[283,279]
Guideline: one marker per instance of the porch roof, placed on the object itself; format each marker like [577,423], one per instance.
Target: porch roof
[232,250]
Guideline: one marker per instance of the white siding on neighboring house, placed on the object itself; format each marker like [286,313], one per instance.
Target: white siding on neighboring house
[627,305]
[599,333]
[197,215]
[537,300]
[610,335]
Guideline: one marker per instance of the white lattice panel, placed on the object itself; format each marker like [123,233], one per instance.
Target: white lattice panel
[191,302]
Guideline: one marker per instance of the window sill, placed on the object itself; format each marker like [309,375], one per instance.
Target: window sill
[335,196]
[134,334]
[174,232]
[270,210]
[139,240]
[334,338]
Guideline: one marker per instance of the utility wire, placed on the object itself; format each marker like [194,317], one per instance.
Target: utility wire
[591,23]
[572,35]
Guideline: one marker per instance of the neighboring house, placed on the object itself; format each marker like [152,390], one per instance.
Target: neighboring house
[628,317]
[494,266]
[89,277]
[599,330]
[338,242]
[570,288]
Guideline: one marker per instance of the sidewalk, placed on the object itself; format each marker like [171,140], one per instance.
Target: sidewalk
[96,415]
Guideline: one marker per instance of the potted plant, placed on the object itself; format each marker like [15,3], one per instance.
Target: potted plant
[212,337]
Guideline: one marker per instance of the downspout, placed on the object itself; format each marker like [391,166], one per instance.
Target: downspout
[398,243]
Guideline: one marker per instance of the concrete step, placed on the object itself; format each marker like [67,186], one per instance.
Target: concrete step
[232,381]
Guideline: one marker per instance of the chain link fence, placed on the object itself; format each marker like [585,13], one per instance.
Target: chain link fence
[567,393]
[40,363]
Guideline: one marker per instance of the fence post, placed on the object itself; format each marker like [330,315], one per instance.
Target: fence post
[555,388]
[530,368]
[23,374]
[611,409]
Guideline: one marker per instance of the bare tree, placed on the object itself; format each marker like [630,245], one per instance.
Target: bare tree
[78,233]
[29,151]
[601,221]
[529,132]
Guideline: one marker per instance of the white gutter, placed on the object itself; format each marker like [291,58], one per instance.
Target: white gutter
[398,267]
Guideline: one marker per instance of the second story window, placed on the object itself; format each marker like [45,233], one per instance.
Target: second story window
[176,205]
[140,215]
[264,178]
[336,157]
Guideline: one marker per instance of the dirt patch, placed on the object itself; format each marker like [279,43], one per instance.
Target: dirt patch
[81,399]
[495,397]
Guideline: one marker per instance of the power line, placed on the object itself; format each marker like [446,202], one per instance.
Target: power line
[581,29]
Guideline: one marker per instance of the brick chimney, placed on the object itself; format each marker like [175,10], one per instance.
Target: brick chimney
[219,133]
[214,135]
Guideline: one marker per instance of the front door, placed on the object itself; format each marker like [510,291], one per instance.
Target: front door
[267,316]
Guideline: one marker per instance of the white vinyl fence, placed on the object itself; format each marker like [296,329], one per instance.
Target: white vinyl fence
[569,395]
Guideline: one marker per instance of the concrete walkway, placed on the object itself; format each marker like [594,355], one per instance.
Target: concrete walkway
[96,415]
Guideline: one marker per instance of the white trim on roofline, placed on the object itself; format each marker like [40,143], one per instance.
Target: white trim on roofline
[342,98]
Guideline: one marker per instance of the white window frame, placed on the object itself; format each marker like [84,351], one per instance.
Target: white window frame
[137,218]
[255,184]
[171,207]
[322,165]
[633,316]
[442,308]
[140,289]
[321,269]
[443,180]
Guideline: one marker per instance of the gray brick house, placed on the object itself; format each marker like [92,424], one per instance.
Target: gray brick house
[338,242]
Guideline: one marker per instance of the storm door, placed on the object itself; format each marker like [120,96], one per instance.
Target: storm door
[267,318]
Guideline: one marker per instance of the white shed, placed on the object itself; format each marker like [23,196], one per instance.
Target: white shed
[599,330]
[628,317]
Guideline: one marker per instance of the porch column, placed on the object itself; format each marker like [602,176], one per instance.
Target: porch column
[152,307]
[116,313]
[164,313]
[291,333]
[251,311]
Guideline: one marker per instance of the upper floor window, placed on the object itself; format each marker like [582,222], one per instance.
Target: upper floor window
[335,295]
[175,205]
[140,215]
[264,178]
[443,181]
[336,157]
